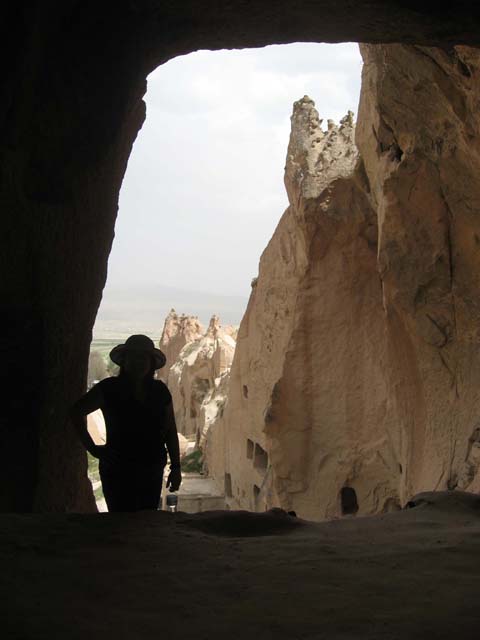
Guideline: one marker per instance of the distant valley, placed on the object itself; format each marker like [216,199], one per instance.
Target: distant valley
[142,309]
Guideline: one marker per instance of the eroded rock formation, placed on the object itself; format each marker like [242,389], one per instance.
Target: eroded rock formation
[197,380]
[355,380]
[178,330]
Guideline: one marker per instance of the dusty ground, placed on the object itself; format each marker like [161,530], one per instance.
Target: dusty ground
[408,575]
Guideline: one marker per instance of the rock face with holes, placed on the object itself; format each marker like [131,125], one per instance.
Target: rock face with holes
[308,347]
[357,369]
[197,380]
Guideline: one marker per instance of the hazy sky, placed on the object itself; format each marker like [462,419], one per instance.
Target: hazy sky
[204,188]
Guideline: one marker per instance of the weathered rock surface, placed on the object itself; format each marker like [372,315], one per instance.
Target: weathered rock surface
[178,330]
[285,341]
[197,380]
[96,427]
[355,382]
[419,135]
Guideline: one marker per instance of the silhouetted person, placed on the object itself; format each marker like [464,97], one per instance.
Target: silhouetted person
[140,423]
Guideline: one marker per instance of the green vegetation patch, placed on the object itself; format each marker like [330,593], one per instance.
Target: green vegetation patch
[94,477]
[193,463]
[93,471]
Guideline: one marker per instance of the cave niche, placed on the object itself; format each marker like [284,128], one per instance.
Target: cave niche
[348,501]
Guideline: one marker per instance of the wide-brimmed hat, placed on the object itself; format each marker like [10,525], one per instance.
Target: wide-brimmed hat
[138,342]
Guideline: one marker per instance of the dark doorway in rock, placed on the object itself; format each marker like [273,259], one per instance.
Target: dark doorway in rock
[348,501]
[228,485]
[260,460]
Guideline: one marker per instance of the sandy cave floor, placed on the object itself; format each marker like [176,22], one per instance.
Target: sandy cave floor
[407,575]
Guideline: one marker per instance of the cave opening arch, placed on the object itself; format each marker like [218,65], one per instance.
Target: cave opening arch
[69,126]
[210,158]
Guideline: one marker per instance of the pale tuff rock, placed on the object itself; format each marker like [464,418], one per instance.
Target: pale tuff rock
[230,330]
[178,330]
[213,407]
[183,445]
[316,157]
[274,422]
[195,379]
[356,379]
[420,141]
[96,426]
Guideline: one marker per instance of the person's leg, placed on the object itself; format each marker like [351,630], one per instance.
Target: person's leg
[148,487]
[117,488]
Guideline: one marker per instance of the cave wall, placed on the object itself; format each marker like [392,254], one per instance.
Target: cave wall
[71,110]
[73,77]
[419,136]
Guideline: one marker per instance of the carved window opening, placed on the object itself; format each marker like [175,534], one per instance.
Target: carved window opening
[228,486]
[348,501]
[250,448]
[245,391]
[260,460]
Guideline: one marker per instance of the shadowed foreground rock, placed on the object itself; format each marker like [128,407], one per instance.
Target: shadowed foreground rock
[410,575]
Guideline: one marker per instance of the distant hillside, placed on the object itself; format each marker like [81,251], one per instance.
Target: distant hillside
[142,309]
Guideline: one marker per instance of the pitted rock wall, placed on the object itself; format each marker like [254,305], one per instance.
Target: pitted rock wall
[357,366]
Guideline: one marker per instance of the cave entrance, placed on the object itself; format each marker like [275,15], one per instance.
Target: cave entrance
[348,501]
[200,200]
[148,35]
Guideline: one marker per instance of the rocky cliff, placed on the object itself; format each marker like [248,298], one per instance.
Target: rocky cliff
[355,379]
[419,138]
[178,330]
[197,379]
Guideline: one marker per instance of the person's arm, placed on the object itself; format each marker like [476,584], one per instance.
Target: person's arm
[175,476]
[88,403]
